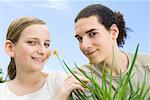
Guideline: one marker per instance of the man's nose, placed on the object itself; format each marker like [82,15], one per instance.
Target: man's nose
[86,43]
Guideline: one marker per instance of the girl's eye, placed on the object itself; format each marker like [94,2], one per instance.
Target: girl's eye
[31,42]
[47,45]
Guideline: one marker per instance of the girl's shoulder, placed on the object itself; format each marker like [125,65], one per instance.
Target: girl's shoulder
[56,76]
[3,86]
[54,81]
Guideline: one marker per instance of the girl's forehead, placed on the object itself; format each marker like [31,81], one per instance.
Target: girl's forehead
[36,31]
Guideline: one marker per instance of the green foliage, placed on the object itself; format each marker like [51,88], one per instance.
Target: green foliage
[1,76]
[104,92]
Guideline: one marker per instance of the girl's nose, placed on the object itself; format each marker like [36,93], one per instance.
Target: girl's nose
[41,50]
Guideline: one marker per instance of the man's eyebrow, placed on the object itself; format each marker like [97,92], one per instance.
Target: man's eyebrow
[85,32]
[76,36]
[90,30]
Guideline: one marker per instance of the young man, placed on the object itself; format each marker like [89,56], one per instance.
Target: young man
[100,31]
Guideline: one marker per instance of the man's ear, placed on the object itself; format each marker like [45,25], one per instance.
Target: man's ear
[9,48]
[114,31]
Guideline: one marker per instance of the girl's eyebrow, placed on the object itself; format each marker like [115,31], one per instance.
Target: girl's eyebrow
[48,41]
[38,39]
[33,38]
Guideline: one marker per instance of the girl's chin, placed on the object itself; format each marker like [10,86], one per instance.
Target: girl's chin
[38,67]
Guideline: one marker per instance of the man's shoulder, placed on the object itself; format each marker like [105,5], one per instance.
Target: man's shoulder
[86,68]
[141,58]
[145,58]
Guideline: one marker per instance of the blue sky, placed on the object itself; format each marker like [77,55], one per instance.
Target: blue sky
[59,16]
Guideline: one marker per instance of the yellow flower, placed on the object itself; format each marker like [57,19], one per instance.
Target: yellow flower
[55,52]
[49,53]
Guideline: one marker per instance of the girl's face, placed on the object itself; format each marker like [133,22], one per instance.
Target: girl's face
[32,50]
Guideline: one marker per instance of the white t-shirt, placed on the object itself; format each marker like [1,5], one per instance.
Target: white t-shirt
[47,92]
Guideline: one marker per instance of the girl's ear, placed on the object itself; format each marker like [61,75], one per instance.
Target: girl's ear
[114,31]
[9,48]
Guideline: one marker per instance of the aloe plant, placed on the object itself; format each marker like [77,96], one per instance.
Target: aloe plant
[104,92]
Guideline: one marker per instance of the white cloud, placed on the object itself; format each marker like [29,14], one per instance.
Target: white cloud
[53,4]
[58,4]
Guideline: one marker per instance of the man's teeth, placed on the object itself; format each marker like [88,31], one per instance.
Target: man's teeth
[38,59]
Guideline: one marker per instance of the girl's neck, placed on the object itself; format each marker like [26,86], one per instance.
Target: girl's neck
[27,83]
[29,78]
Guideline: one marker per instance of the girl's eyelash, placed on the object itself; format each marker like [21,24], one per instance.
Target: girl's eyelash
[35,43]
[46,44]
[31,42]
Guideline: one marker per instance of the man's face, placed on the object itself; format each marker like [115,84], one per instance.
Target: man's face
[95,40]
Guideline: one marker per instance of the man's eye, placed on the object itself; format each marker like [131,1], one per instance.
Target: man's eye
[79,39]
[31,42]
[92,33]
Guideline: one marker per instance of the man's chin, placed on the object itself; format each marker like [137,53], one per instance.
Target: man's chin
[95,62]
